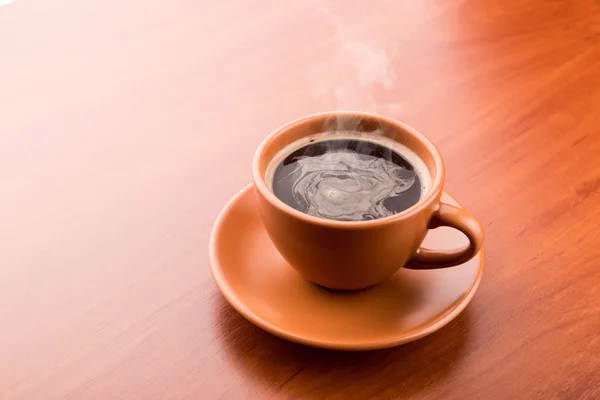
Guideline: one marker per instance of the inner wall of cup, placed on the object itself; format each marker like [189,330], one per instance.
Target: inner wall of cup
[344,123]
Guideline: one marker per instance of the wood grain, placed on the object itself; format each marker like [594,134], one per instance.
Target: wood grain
[126,126]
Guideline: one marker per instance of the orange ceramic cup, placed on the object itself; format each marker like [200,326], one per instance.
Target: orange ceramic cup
[350,255]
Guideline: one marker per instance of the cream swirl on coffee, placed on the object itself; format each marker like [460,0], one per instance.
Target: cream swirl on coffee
[342,185]
[348,176]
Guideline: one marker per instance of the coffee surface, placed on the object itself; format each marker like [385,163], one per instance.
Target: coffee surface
[347,180]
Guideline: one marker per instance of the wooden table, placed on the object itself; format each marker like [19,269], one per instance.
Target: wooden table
[126,126]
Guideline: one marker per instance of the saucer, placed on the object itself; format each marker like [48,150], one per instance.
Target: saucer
[267,291]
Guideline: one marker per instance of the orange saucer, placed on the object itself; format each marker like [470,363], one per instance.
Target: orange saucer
[262,287]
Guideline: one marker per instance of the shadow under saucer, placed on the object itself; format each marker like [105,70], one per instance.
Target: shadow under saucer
[283,367]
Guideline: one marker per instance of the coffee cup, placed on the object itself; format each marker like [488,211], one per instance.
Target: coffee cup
[356,254]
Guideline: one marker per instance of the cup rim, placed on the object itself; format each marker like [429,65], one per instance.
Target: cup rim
[274,201]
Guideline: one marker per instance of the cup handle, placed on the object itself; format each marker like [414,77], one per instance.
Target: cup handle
[458,218]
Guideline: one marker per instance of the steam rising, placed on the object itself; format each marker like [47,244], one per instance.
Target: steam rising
[361,63]
[340,184]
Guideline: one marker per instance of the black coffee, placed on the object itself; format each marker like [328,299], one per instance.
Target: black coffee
[347,180]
